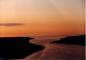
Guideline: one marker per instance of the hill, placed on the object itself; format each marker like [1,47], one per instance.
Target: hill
[74,40]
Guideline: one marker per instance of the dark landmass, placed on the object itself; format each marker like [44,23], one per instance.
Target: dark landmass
[17,47]
[74,40]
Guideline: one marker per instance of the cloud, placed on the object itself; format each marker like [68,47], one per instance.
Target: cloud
[11,24]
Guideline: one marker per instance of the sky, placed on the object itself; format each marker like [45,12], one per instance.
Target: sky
[41,17]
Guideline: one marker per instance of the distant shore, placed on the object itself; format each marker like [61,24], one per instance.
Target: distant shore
[73,40]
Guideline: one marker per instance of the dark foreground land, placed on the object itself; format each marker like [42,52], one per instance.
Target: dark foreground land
[73,40]
[17,47]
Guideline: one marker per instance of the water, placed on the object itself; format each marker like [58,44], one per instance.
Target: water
[42,40]
[56,51]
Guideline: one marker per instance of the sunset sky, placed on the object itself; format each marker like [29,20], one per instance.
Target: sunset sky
[41,17]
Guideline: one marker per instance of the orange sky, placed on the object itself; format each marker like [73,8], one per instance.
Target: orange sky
[41,17]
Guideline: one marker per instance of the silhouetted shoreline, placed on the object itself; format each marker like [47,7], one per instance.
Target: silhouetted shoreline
[73,40]
[17,47]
